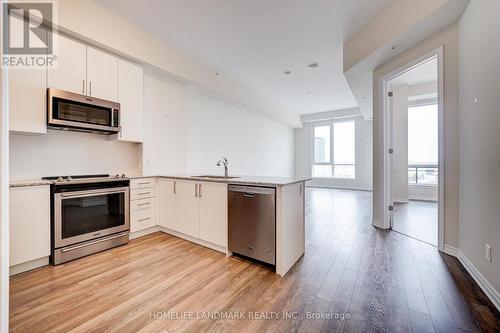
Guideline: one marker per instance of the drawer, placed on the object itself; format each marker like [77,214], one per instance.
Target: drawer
[142,219]
[142,193]
[142,203]
[142,183]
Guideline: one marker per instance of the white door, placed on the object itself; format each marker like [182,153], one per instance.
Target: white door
[391,167]
[189,213]
[168,204]
[130,97]
[69,71]
[102,75]
[213,212]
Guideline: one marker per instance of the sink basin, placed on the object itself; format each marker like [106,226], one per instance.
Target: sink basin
[215,177]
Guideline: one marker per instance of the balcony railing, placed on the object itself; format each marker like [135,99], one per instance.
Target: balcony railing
[423,174]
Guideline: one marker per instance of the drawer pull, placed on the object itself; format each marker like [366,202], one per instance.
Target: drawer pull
[144,183]
[144,204]
[144,219]
[144,193]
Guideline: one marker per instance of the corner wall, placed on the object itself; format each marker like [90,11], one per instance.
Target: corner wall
[480,138]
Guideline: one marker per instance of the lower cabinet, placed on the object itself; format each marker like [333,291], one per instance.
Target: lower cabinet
[196,209]
[29,223]
[142,204]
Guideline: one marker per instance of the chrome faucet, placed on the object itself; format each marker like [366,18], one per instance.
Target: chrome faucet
[225,163]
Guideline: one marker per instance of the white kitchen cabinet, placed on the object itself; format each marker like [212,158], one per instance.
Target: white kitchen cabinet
[70,70]
[168,204]
[130,97]
[189,212]
[196,209]
[27,98]
[142,204]
[29,223]
[102,75]
[213,212]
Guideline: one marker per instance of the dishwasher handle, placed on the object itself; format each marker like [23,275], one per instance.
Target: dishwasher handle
[248,195]
[252,190]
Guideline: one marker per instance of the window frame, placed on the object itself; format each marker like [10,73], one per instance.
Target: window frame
[332,163]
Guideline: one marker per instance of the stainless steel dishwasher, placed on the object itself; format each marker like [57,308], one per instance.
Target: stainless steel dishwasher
[252,222]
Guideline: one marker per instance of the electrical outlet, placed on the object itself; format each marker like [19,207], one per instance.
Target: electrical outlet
[487,253]
[149,163]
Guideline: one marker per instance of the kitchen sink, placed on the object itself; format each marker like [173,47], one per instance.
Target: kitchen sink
[215,177]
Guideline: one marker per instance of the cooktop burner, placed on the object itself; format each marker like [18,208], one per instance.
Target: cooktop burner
[84,178]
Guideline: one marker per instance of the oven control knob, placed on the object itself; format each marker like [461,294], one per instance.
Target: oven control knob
[123,175]
[60,179]
[69,178]
[117,176]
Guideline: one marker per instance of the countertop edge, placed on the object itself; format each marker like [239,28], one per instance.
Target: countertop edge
[27,183]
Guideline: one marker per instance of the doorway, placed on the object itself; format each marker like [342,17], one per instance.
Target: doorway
[414,128]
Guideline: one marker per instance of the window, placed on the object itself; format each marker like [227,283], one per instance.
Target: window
[423,144]
[337,140]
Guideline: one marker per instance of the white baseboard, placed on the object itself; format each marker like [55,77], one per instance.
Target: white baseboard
[143,232]
[340,187]
[452,251]
[193,239]
[485,286]
[28,266]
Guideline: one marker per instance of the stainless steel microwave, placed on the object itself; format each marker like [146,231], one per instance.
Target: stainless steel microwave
[75,112]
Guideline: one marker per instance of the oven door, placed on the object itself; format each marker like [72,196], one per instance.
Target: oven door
[85,215]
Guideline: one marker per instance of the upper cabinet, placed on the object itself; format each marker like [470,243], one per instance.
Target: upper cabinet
[102,75]
[27,99]
[83,70]
[130,97]
[70,71]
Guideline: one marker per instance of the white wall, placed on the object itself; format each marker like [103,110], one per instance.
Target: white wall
[165,136]
[364,157]
[254,145]
[480,137]
[62,153]
[449,39]
[190,132]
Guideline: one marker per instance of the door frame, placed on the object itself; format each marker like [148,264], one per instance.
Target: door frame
[387,132]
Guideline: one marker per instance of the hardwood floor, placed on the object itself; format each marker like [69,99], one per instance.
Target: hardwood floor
[353,278]
[417,219]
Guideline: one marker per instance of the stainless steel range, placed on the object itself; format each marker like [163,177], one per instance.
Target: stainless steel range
[90,213]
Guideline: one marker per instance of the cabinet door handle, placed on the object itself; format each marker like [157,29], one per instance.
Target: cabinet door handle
[175,188]
[300,189]
[83,86]
[196,190]
[90,88]
[199,191]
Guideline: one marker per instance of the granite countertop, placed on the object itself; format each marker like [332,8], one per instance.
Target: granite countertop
[241,180]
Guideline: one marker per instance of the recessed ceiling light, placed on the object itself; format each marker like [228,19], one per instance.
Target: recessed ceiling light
[287,72]
[309,92]
[314,65]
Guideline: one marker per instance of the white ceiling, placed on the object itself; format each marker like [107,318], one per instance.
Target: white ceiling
[255,41]
[424,73]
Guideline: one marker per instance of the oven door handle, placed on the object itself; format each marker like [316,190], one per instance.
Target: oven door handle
[79,246]
[90,193]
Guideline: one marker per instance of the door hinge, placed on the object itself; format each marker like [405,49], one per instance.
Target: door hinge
[391,151]
[390,94]
[391,208]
